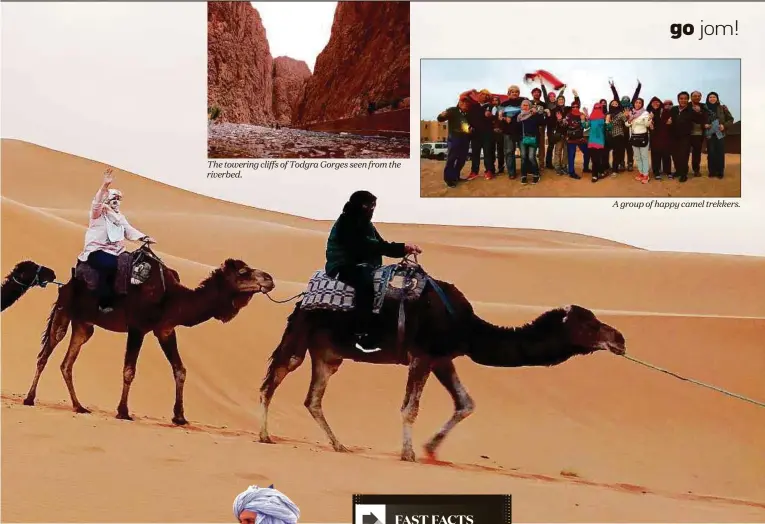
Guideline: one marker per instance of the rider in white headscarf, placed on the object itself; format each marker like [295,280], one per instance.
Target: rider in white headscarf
[265,506]
[104,239]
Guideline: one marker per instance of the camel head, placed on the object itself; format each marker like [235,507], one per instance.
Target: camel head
[241,278]
[28,273]
[237,283]
[586,331]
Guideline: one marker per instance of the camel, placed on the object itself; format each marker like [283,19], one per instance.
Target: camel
[22,278]
[437,331]
[159,305]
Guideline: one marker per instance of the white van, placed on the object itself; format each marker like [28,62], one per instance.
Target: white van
[437,150]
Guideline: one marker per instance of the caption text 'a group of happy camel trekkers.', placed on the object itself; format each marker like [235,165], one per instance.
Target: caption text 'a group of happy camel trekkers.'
[671,204]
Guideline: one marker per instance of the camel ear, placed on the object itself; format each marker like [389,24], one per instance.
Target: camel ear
[228,265]
[567,311]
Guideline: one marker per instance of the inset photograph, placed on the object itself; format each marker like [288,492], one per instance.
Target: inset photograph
[580,128]
[308,80]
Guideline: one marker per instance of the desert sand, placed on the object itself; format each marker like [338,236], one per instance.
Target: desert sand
[596,439]
[552,185]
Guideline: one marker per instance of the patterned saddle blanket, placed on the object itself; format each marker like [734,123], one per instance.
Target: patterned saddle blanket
[132,268]
[396,281]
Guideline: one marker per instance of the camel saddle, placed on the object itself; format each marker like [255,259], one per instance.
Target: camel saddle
[401,282]
[132,268]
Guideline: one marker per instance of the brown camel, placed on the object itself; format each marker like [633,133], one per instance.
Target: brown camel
[159,305]
[434,337]
[24,276]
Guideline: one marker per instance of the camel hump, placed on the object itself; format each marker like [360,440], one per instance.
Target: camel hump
[391,282]
[132,269]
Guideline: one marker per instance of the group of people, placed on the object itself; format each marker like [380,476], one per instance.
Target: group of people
[618,134]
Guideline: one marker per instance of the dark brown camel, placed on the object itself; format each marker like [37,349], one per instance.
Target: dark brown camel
[434,338]
[158,305]
[25,275]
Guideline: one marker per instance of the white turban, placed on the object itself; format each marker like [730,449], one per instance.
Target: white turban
[270,505]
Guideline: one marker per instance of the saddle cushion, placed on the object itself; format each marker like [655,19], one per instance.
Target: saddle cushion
[88,274]
[325,292]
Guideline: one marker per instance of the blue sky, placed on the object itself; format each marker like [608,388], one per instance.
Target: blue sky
[442,80]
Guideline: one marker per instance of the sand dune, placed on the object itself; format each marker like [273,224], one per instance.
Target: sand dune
[597,439]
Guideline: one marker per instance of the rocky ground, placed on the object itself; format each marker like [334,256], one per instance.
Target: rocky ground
[552,185]
[250,141]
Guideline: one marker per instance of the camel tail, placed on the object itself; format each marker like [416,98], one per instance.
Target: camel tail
[56,318]
[290,346]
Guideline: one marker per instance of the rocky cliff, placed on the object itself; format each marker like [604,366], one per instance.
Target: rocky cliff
[289,78]
[365,64]
[239,64]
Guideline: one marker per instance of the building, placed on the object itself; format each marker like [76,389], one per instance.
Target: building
[433,131]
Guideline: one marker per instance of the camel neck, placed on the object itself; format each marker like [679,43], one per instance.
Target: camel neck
[530,345]
[11,292]
[194,306]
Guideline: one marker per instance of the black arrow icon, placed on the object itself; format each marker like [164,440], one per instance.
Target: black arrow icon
[370,519]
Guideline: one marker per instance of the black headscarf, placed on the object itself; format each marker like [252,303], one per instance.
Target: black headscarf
[710,106]
[655,112]
[614,110]
[357,202]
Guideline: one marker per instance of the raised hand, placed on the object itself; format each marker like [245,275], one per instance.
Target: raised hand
[108,176]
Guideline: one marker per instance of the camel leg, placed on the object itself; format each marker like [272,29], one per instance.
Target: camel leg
[463,404]
[55,333]
[321,372]
[81,333]
[273,379]
[133,349]
[419,371]
[169,344]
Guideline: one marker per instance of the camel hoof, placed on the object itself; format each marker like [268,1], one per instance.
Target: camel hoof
[430,458]
[124,416]
[29,401]
[340,448]
[180,421]
[265,439]
[408,455]
[81,410]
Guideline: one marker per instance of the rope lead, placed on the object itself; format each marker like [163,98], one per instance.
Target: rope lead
[715,388]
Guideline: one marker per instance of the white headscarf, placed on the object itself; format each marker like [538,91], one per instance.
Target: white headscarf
[270,505]
[114,229]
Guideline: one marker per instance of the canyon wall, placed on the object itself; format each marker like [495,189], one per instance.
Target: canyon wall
[289,78]
[365,62]
[364,67]
[239,64]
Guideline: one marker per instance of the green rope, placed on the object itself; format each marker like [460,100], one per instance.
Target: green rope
[715,388]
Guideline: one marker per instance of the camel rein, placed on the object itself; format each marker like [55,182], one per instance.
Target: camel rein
[37,281]
[709,386]
[301,294]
